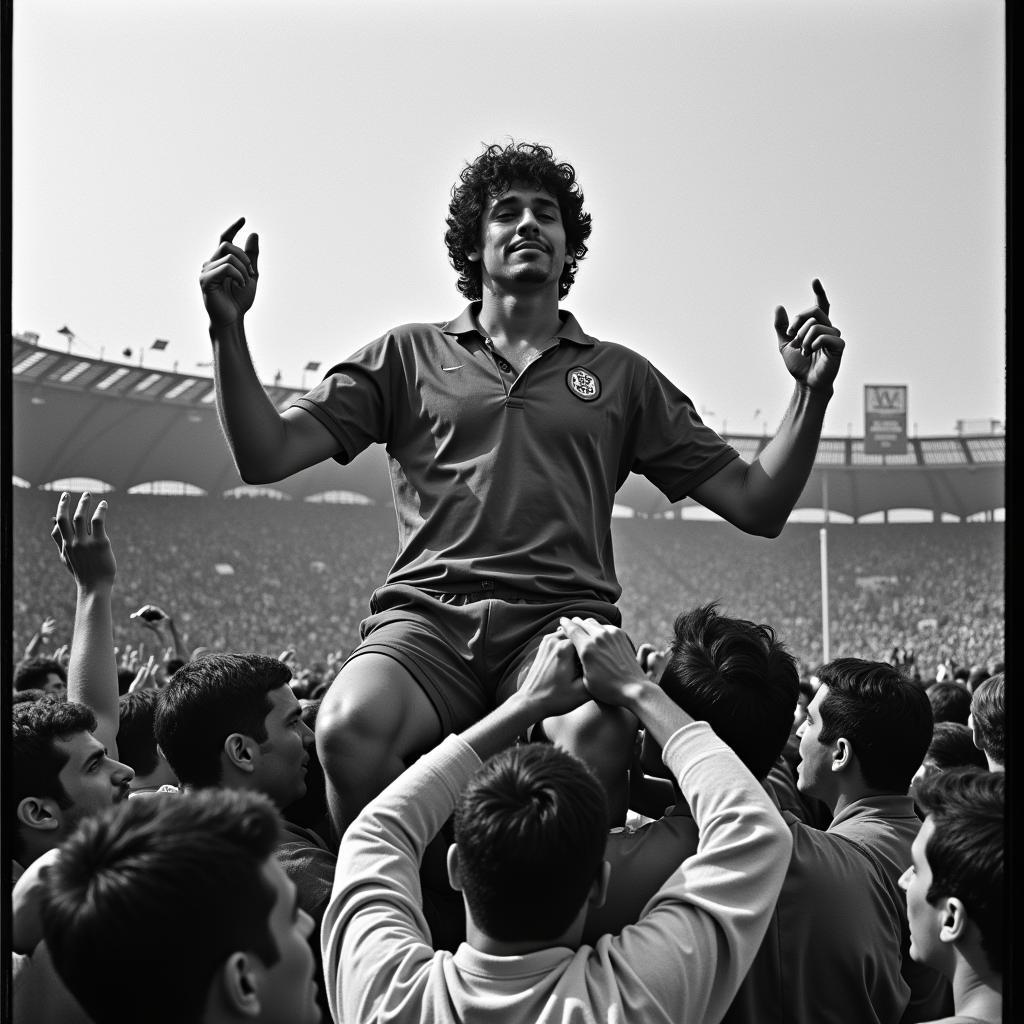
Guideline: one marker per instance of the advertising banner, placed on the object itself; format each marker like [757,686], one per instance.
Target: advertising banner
[885,419]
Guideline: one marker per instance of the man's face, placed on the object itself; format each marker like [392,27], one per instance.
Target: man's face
[91,779]
[522,239]
[54,685]
[288,989]
[925,919]
[284,754]
[814,773]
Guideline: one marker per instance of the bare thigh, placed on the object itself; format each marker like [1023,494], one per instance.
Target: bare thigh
[374,720]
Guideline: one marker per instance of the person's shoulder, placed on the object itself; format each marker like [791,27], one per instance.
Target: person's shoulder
[416,329]
[295,838]
[617,350]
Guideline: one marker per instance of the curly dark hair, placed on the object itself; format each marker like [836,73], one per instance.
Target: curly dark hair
[494,171]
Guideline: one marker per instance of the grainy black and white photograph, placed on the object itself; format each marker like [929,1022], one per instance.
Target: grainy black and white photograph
[506,512]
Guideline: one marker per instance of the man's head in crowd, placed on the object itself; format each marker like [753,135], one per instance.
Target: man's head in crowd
[954,886]
[867,731]
[61,774]
[176,912]
[136,741]
[232,720]
[528,857]
[44,674]
[978,675]
[988,721]
[736,676]
[25,696]
[125,678]
[952,746]
[951,702]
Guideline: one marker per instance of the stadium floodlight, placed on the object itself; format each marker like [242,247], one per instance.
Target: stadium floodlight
[160,344]
[69,335]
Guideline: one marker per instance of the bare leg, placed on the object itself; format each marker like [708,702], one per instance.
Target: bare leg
[374,720]
[603,736]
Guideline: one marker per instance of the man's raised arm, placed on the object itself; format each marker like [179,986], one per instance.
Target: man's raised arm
[698,935]
[86,553]
[759,496]
[266,445]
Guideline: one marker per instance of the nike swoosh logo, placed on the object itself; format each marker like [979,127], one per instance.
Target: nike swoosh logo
[448,369]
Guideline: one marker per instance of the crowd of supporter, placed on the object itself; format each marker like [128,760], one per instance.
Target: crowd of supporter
[267,576]
[826,845]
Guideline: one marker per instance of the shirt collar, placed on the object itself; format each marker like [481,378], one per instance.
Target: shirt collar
[467,323]
[891,806]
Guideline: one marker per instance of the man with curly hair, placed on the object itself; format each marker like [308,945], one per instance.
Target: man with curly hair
[508,431]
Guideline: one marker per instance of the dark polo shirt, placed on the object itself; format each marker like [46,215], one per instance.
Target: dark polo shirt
[503,482]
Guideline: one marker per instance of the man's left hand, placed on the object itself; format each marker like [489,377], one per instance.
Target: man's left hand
[811,346]
[555,680]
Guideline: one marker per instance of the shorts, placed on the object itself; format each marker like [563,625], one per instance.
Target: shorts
[467,652]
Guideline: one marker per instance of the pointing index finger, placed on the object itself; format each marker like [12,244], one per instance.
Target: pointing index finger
[820,295]
[229,235]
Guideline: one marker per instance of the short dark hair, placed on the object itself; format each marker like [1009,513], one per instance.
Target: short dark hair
[886,717]
[979,673]
[951,702]
[531,829]
[31,673]
[965,852]
[988,712]
[180,881]
[171,665]
[207,700]
[24,696]
[136,740]
[739,678]
[496,170]
[952,746]
[35,759]
[125,678]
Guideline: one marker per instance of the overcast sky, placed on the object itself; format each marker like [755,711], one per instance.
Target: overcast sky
[729,152]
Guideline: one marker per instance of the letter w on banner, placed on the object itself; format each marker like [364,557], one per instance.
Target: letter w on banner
[885,419]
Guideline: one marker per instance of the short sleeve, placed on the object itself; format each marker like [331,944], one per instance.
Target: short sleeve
[355,400]
[673,447]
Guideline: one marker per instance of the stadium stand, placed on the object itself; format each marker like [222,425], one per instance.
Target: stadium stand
[249,574]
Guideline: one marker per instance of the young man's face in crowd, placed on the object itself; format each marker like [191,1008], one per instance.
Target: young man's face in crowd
[54,685]
[814,770]
[91,779]
[284,755]
[925,919]
[522,238]
[288,992]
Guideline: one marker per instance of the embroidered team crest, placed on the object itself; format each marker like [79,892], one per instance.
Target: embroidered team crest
[583,384]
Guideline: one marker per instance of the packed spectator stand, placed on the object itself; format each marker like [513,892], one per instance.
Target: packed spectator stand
[301,575]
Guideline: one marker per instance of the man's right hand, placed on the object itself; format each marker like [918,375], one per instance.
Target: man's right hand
[608,659]
[83,543]
[229,277]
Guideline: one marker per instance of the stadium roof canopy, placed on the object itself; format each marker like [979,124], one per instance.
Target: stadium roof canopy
[128,426]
